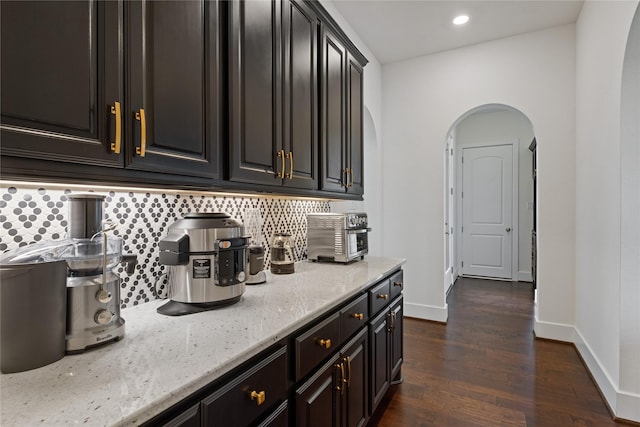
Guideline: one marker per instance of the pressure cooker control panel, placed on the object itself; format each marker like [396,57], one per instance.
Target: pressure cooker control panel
[231,261]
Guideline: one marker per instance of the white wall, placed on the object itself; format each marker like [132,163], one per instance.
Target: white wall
[373,171]
[601,37]
[483,128]
[423,97]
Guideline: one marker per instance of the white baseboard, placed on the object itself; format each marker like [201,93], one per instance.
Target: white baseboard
[628,407]
[554,331]
[525,276]
[605,384]
[623,404]
[427,312]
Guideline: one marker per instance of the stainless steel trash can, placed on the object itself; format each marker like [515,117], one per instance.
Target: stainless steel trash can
[33,312]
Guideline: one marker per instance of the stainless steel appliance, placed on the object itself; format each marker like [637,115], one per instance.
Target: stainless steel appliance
[337,237]
[281,255]
[93,287]
[33,312]
[206,255]
[256,274]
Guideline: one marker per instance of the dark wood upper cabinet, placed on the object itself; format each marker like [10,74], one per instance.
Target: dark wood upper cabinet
[273,99]
[341,116]
[355,140]
[173,107]
[195,93]
[61,74]
[300,127]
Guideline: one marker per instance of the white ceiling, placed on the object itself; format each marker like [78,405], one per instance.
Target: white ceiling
[395,30]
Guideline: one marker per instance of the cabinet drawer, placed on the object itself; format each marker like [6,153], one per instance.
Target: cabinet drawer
[233,404]
[379,297]
[354,316]
[396,284]
[316,344]
[279,417]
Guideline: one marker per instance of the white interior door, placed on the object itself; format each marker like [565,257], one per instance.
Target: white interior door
[487,210]
[448,224]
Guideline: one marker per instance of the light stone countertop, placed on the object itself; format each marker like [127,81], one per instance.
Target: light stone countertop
[163,359]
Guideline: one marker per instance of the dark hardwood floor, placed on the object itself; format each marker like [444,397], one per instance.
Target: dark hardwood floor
[485,368]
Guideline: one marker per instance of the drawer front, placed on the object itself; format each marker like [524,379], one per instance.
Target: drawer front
[354,316]
[396,284]
[279,417]
[379,297]
[244,399]
[317,344]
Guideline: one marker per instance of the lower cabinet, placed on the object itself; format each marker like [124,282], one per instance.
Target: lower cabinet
[385,332]
[337,394]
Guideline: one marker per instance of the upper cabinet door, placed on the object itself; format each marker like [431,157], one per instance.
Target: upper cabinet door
[333,84]
[255,97]
[173,109]
[300,126]
[355,142]
[61,76]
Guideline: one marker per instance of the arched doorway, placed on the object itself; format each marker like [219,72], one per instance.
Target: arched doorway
[501,239]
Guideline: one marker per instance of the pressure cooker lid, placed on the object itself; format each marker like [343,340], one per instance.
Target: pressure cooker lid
[207,215]
[205,220]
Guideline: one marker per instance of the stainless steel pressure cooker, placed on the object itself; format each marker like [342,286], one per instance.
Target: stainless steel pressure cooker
[207,256]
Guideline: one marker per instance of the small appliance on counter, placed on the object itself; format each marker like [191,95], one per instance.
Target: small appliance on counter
[281,255]
[207,255]
[253,227]
[33,312]
[256,265]
[92,287]
[337,237]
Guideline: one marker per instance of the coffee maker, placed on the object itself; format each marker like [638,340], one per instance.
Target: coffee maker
[281,255]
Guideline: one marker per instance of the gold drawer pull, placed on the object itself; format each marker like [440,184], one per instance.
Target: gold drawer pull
[358,316]
[324,343]
[382,296]
[397,284]
[259,397]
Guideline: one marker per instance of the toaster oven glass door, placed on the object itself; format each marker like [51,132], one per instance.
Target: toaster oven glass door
[358,242]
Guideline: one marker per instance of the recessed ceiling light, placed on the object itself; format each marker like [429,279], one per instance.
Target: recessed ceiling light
[461,19]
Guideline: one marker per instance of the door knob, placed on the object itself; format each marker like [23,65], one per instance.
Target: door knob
[508,229]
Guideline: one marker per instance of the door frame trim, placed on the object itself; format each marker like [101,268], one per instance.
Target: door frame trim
[515,242]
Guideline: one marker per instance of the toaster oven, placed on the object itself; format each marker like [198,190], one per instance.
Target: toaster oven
[337,237]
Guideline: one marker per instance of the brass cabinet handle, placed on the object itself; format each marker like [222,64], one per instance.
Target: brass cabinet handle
[282,158]
[290,176]
[324,343]
[141,151]
[349,174]
[348,380]
[358,316]
[259,397]
[341,381]
[345,182]
[115,110]
[382,296]
[397,284]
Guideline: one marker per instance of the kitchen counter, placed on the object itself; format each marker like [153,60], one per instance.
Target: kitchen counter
[162,359]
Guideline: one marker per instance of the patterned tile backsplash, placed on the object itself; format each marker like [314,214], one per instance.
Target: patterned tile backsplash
[30,214]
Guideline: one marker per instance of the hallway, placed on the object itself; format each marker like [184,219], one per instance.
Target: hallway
[484,368]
